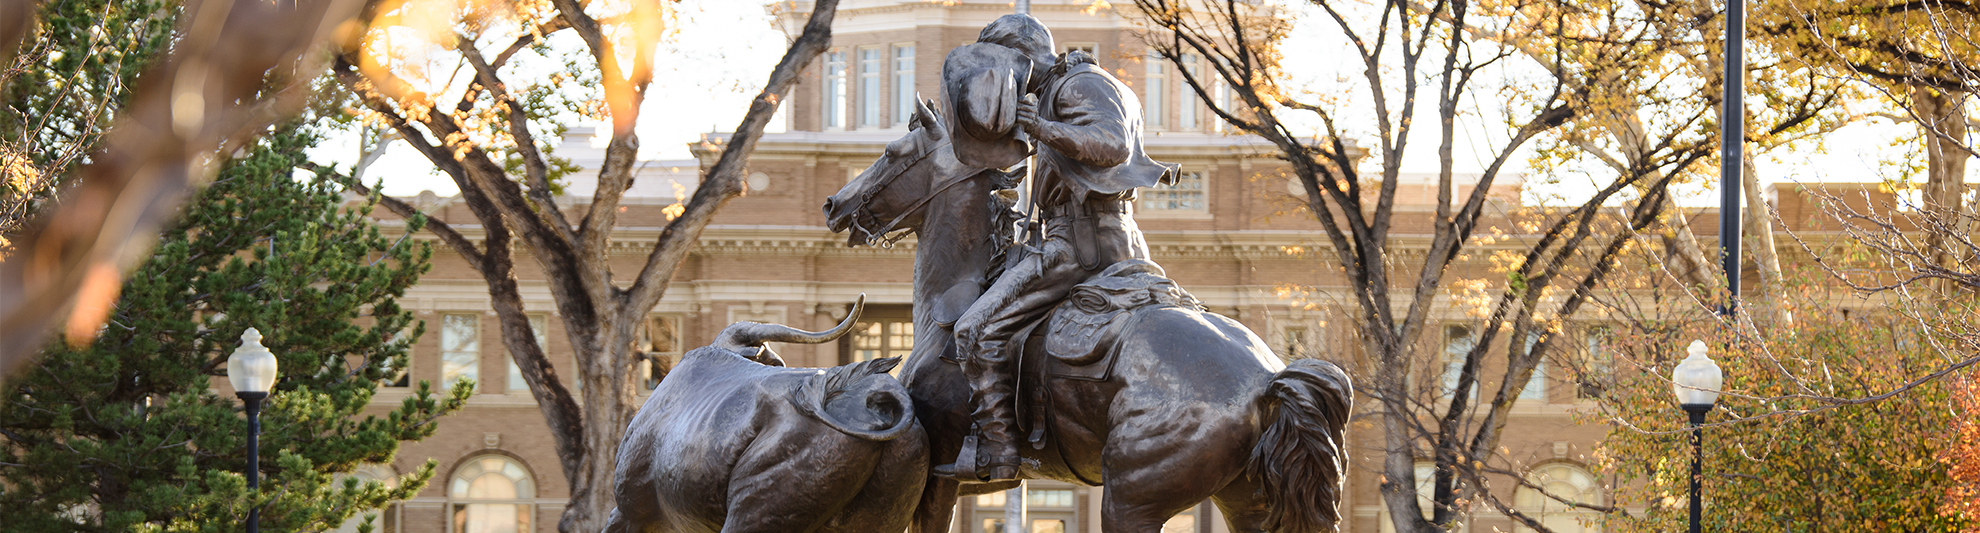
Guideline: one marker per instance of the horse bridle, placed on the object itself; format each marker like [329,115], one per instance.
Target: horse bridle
[864,210]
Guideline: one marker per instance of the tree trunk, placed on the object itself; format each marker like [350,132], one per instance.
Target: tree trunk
[609,392]
[1771,308]
[1942,117]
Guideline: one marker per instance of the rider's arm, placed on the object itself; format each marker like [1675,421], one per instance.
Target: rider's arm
[1092,122]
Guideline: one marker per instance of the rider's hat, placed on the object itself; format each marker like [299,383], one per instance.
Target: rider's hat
[981,85]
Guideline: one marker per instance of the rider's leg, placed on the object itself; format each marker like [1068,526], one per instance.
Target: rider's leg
[990,374]
[1024,292]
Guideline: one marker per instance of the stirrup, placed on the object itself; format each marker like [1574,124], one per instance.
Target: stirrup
[971,468]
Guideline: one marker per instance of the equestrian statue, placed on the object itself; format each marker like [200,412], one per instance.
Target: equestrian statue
[1047,343]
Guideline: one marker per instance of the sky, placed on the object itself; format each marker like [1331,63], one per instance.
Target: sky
[703,81]
[724,51]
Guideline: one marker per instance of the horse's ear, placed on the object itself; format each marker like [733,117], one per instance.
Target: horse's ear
[924,115]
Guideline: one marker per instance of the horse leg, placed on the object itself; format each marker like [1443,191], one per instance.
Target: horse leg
[1150,485]
[1244,505]
[938,503]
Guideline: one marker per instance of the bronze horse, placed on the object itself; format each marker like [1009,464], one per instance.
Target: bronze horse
[1197,406]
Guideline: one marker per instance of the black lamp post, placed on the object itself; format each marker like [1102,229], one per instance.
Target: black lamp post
[251,369]
[1697,381]
[1732,150]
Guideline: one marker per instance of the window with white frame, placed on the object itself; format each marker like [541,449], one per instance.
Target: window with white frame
[903,83]
[539,325]
[1051,507]
[1561,481]
[835,90]
[1090,48]
[660,349]
[869,87]
[1536,386]
[1458,341]
[1190,113]
[1185,196]
[491,494]
[1223,95]
[1297,342]
[1595,360]
[882,331]
[460,348]
[1154,85]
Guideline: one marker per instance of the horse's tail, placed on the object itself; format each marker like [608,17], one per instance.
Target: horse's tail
[1302,456]
[859,399]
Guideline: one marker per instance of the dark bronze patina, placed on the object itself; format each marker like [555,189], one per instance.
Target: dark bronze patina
[1191,405]
[733,442]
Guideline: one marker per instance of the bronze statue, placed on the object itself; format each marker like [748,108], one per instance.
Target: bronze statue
[1133,386]
[1087,130]
[731,442]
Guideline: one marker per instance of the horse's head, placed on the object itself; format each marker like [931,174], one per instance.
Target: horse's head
[889,196]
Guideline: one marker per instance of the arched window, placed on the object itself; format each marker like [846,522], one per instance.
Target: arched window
[387,519]
[1566,482]
[491,494]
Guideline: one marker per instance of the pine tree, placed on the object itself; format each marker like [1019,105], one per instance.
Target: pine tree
[129,432]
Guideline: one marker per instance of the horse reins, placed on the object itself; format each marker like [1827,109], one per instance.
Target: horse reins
[866,200]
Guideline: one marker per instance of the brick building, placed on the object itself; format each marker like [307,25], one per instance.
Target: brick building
[1229,231]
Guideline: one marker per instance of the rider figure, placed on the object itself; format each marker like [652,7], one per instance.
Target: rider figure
[1087,128]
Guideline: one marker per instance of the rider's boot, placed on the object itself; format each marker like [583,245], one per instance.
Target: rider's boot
[991,453]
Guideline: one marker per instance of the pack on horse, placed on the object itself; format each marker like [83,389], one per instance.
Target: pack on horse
[1190,405]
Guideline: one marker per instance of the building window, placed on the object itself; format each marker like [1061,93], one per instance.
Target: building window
[491,494]
[1191,110]
[1536,386]
[384,520]
[1458,341]
[659,349]
[404,376]
[1052,507]
[869,87]
[903,84]
[1297,342]
[1567,482]
[539,325]
[1185,196]
[460,348]
[883,330]
[1595,360]
[835,90]
[1090,49]
[1158,80]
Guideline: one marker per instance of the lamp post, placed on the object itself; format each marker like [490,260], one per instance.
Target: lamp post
[251,369]
[1697,381]
[1732,150]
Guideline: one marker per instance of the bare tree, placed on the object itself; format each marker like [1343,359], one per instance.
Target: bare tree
[1595,95]
[487,141]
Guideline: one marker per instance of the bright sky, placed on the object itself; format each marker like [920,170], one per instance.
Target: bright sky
[725,49]
[704,79]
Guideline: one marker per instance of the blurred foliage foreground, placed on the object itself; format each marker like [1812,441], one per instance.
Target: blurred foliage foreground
[130,434]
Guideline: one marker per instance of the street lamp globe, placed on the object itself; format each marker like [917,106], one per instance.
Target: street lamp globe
[251,368]
[1697,379]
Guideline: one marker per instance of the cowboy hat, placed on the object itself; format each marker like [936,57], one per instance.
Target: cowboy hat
[981,85]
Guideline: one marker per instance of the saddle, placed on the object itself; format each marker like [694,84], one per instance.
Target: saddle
[1080,338]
